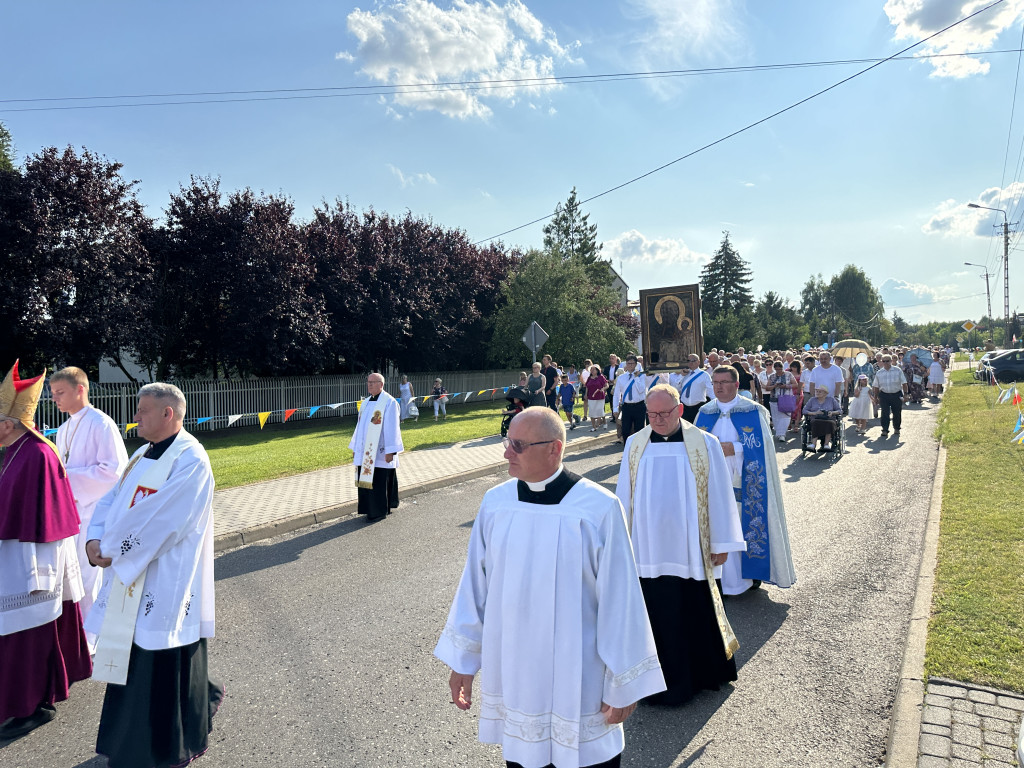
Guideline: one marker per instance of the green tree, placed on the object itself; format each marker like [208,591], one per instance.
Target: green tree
[733,329]
[579,317]
[856,304]
[725,283]
[782,325]
[570,236]
[6,149]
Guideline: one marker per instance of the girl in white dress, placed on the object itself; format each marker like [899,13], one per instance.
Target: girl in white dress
[936,376]
[861,407]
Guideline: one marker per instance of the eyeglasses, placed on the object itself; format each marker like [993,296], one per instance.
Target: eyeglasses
[662,415]
[518,446]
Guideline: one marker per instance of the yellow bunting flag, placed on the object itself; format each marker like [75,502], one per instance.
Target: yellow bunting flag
[129,427]
[359,406]
[481,391]
[263,418]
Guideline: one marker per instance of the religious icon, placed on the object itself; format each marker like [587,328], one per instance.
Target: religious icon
[376,417]
[670,327]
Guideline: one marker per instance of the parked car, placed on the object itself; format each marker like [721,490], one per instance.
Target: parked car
[981,372]
[1008,367]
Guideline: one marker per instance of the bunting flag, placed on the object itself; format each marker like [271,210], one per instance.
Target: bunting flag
[359,406]
[1020,422]
[467,396]
[1016,399]
[203,420]
[426,398]
[233,419]
[481,391]
[506,390]
[263,418]
[1019,439]
[316,408]
[129,427]
[288,414]
[333,406]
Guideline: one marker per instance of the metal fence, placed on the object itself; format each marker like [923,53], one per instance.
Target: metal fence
[214,400]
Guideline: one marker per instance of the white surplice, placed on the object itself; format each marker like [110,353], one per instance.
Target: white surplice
[169,534]
[550,612]
[35,579]
[390,440]
[666,533]
[93,452]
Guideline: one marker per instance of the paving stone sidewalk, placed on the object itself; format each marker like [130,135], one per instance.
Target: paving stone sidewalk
[252,512]
[969,726]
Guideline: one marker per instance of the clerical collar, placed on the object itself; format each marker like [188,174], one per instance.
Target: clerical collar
[726,407]
[550,491]
[675,437]
[156,450]
[373,398]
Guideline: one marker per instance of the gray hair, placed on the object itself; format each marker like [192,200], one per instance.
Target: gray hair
[168,394]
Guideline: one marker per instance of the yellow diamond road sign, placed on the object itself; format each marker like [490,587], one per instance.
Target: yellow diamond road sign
[969,326]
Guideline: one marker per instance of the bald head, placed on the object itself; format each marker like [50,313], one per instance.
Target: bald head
[542,424]
[539,436]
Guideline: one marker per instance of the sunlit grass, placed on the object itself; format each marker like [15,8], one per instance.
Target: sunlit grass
[976,632]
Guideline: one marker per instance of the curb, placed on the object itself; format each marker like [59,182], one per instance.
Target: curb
[901,747]
[305,519]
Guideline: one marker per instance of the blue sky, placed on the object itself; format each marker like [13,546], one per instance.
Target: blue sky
[877,172]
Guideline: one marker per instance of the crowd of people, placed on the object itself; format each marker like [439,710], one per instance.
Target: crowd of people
[789,383]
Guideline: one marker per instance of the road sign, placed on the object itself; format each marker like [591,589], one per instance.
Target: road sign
[969,326]
[534,338]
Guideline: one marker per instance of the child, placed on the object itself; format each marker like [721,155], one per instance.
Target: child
[568,396]
[860,408]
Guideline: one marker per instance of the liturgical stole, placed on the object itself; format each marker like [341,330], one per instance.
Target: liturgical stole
[114,647]
[372,437]
[697,453]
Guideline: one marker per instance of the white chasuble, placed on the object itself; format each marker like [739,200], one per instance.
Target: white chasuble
[168,535]
[94,455]
[372,441]
[666,529]
[549,610]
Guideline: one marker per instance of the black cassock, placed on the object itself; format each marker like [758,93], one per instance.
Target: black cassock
[377,502]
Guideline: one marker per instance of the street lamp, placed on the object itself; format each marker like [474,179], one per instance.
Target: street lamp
[986,274]
[1006,269]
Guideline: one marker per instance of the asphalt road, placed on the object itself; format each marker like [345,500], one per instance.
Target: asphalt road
[324,636]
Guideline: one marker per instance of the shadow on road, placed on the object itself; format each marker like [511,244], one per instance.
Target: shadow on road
[259,555]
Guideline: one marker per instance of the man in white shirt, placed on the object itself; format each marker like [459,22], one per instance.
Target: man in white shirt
[827,375]
[91,448]
[890,387]
[695,388]
[630,393]
[549,611]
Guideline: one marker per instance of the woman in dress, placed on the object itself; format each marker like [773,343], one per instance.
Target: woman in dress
[407,397]
[779,382]
[440,395]
[597,386]
[798,392]
[861,407]
[936,375]
[914,372]
[535,384]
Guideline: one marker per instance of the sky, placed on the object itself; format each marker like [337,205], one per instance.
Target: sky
[672,96]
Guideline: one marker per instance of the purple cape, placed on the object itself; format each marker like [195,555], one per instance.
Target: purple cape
[36,501]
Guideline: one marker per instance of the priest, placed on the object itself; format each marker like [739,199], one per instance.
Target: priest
[375,446]
[549,612]
[153,532]
[42,646]
[742,427]
[674,485]
[93,452]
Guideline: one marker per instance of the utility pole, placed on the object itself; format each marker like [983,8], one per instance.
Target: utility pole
[988,294]
[1006,280]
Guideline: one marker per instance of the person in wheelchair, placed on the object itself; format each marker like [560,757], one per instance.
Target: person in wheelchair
[823,412]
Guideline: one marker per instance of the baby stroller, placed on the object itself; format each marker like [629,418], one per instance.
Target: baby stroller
[808,440]
[514,393]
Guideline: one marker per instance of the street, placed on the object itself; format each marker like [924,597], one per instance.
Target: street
[324,636]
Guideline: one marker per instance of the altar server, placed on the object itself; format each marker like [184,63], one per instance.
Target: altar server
[549,611]
[154,533]
[674,485]
[42,646]
[741,426]
[375,446]
[93,452]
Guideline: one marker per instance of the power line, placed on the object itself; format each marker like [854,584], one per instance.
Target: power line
[349,91]
[746,128]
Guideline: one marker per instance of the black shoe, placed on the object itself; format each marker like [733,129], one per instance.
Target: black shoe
[895,433]
[19,726]
[885,434]
[756,584]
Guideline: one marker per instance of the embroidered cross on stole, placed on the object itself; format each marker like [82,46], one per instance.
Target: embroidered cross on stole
[113,649]
[697,452]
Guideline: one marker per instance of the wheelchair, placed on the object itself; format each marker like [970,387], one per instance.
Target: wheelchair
[808,440]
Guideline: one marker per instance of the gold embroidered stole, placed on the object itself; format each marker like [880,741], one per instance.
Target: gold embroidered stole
[370,441]
[697,452]
[114,647]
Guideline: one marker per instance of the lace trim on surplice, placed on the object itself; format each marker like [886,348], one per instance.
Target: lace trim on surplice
[631,674]
[461,642]
[545,726]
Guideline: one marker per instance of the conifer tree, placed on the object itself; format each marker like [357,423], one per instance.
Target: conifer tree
[570,236]
[725,282]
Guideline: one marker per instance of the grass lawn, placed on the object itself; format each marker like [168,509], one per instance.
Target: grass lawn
[976,632]
[249,455]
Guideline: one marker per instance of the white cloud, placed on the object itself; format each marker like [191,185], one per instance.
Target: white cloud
[748,184]
[900,293]
[673,39]
[411,180]
[953,218]
[409,42]
[917,19]
[635,248]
